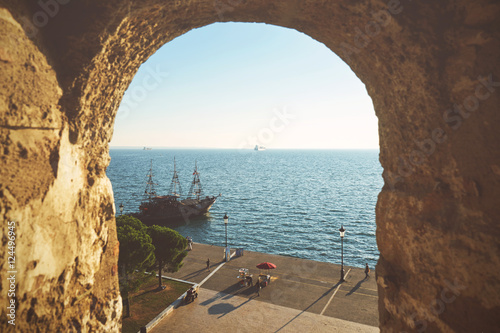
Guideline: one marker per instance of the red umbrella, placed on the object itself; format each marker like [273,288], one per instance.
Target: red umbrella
[266,265]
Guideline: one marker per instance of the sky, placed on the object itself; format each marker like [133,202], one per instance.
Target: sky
[235,85]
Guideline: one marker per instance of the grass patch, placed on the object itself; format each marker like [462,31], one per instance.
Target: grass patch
[148,302]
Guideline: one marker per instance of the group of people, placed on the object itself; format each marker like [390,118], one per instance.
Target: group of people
[249,282]
[190,243]
[258,284]
[264,282]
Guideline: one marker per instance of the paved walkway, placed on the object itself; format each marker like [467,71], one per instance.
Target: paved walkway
[218,312]
[301,293]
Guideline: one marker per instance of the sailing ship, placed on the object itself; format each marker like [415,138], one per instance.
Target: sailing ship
[169,209]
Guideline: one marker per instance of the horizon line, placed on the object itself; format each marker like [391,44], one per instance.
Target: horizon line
[233,148]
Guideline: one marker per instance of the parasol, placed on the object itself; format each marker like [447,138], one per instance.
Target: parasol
[266,265]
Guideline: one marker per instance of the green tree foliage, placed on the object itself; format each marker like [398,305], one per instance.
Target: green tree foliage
[136,255]
[124,220]
[169,249]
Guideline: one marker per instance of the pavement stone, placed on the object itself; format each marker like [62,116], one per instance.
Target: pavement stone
[219,312]
[310,287]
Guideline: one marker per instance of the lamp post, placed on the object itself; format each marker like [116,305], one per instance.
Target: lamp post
[342,233]
[226,220]
[121,208]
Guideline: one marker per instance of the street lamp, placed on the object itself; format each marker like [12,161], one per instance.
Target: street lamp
[226,220]
[121,208]
[342,233]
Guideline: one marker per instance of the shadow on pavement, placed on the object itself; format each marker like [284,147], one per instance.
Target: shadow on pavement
[356,287]
[231,291]
[316,301]
[223,309]
[193,274]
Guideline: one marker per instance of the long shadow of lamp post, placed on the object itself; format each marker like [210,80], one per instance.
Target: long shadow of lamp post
[342,273]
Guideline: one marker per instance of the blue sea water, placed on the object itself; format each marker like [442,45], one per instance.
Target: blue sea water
[287,202]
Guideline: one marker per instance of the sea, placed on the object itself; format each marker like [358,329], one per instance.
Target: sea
[286,202]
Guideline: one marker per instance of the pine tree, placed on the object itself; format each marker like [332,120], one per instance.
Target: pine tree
[136,255]
[170,249]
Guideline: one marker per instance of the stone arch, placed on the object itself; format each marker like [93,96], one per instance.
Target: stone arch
[64,66]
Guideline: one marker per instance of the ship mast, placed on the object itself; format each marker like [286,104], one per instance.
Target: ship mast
[150,191]
[175,184]
[195,184]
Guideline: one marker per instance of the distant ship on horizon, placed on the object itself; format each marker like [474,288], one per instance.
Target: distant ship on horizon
[258,148]
[147,148]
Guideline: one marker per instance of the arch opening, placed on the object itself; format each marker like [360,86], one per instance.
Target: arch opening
[227,87]
[299,92]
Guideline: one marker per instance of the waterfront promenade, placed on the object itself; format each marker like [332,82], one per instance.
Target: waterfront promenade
[303,295]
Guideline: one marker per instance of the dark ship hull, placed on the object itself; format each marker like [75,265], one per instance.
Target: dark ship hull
[167,210]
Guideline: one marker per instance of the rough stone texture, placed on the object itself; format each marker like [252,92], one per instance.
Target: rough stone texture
[437,229]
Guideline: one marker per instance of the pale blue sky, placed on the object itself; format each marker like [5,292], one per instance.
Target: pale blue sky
[223,86]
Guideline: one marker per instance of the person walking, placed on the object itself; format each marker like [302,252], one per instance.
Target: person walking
[208,264]
[367,271]
[258,287]
[250,280]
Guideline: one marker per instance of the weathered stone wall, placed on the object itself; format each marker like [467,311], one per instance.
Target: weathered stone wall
[57,193]
[62,77]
